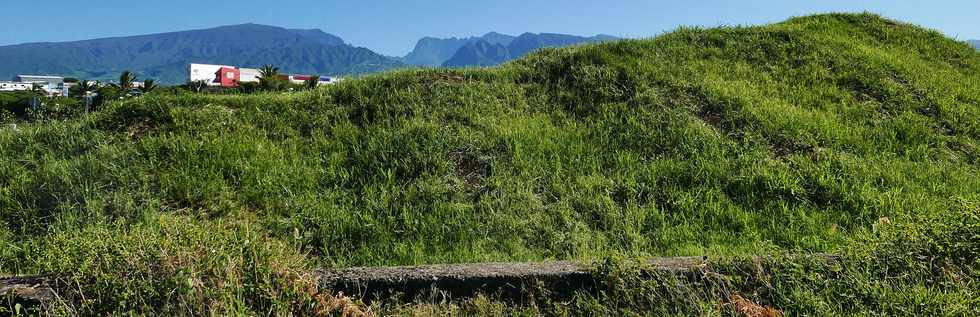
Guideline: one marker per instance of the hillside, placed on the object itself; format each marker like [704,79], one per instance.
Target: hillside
[846,134]
[165,56]
[482,53]
[430,51]
[975,43]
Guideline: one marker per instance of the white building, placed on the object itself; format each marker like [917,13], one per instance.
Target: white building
[231,76]
[15,86]
[250,75]
[206,73]
[52,85]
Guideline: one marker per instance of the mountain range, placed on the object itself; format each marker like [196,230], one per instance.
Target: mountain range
[165,57]
[975,43]
[430,51]
[483,53]
[490,49]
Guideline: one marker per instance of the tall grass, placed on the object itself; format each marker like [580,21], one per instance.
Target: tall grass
[797,137]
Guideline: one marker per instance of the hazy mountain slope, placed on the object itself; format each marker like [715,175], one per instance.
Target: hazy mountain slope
[165,56]
[489,55]
[498,38]
[975,43]
[430,51]
[479,53]
[528,42]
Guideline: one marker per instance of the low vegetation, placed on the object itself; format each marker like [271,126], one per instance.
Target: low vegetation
[847,134]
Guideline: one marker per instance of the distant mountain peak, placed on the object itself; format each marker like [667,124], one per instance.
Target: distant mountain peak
[241,26]
[479,53]
[312,31]
[495,33]
[490,49]
[498,38]
[432,51]
[246,24]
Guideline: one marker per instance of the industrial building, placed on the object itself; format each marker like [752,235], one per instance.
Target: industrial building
[231,76]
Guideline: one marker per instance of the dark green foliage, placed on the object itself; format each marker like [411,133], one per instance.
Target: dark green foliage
[83,88]
[312,83]
[148,86]
[269,78]
[16,107]
[248,87]
[15,103]
[197,86]
[126,81]
[839,133]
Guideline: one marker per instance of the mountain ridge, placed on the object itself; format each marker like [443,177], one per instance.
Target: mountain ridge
[164,56]
[433,52]
[230,26]
[478,55]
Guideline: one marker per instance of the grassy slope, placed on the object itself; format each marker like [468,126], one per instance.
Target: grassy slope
[801,136]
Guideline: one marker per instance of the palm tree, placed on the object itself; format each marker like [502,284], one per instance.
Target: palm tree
[38,89]
[312,82]
[126,80]
[148,86]
[83,88]
[269,77]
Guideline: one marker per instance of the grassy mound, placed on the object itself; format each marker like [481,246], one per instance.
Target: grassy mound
[818,134]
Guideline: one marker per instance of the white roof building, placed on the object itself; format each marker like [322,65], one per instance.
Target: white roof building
[39,78]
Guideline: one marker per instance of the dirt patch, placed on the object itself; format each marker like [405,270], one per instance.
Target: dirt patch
[136,120]
[783,148]
[472,168]
[712,119]
[452,78]
[712,114]
[324,303]
[748,308]
[140,128]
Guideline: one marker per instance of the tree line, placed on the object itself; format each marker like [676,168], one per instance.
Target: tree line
[90,95]
[83,96]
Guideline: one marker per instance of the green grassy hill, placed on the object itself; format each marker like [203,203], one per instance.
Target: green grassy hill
[847,134]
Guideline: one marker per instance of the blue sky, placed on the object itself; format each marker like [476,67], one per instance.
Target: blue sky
[392,27]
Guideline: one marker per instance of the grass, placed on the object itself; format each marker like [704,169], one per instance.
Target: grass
[839,133]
